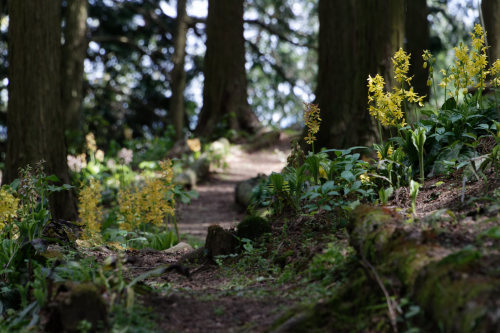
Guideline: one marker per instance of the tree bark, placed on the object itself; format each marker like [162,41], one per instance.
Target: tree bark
[73,56]
[178,75]
[225,104]
[356,38]
[491,15]
[417,40]
[35,122]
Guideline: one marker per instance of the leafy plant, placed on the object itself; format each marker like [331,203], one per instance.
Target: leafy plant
[418,138]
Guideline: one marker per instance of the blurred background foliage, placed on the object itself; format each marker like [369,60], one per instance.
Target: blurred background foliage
[128,63]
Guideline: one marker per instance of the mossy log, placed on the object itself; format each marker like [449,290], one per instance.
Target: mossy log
[456,290]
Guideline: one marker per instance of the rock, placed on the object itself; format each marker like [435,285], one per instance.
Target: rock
[195,256]
[187,179]
[219,147]
[201,168]
[220,241]
[264,140]
[179,148]
[461,292]
[252,227]
[243,190]
[180,248]
[74,303]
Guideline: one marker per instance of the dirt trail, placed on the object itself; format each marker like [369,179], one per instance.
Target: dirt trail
[211,301]
[215,204]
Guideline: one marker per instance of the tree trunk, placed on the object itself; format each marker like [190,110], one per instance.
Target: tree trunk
[74,52]
[491,15]
[356,38]
[35,123]
[417,40]
[225,104]
[178,75]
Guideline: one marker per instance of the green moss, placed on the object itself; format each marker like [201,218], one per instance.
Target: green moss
[371,228]
[252,227]
[460,292]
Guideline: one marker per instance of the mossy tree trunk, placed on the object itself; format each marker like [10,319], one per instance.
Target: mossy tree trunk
[225,104]
[491,16]
[178,75]
[356,38]
[73,56]
[417,40]
[35,122]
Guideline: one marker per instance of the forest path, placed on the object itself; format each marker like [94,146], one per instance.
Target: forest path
[217,299]
[216,204]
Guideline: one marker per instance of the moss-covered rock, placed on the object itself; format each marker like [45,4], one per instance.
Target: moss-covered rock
[461,293]
[252,227]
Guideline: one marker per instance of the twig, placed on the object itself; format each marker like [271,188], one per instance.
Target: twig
[391,307]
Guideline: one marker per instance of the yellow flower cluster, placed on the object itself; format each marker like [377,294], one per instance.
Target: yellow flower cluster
[90,209]
[386,106]
[312,120]
[470,65]
[91,144]
[150,204]
[429,59]
[364,178]
[495,73]
[390,150]
[194,144]
[8,207]
[401,62]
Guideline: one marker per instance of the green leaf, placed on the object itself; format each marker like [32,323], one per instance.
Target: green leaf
[450,104]
[52,178]
[348,175]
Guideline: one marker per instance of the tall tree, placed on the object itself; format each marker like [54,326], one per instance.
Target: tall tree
[74,52]
[417,40]
[356,38]
[178,75]
[225,104]
[35,123]
[491,15]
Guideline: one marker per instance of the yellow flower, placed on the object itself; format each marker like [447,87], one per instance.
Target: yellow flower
[379,155]
[364,178]
[90,209]
[150,204]
[401,62]
[8,207]
[495,72]
[99,155]
[389,151]
[322,173]
[312,120]
[194,144]
[91,144]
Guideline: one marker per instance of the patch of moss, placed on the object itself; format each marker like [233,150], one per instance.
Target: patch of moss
[370,229]
[252,227]
[460,292]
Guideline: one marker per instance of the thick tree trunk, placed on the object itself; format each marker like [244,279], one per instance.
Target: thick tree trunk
[491,15]
[417,40]
[74,52]
[225,104]
[356,38]
[35,122]
[178,75]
